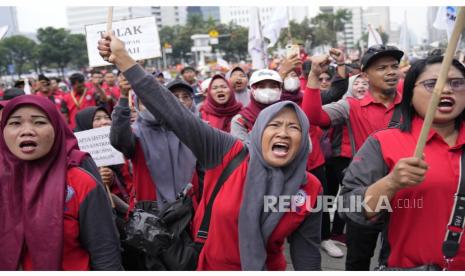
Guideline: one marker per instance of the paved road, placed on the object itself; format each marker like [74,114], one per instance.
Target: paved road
[334,264]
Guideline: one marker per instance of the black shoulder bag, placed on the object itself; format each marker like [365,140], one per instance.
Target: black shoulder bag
[163,236]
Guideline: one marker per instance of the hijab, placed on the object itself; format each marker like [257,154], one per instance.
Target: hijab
[256,226]
[32,193]
[85,118]
[219,115]
[171,163]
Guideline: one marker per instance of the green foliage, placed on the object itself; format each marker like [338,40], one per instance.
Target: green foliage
[3,59]
[20,51]
[233,38]
[300,33]
[58,48]
[327,25]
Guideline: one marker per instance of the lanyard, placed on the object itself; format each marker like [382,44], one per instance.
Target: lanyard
[78,104]
[454,231]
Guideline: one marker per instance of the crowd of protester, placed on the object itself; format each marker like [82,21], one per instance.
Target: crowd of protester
[316,126]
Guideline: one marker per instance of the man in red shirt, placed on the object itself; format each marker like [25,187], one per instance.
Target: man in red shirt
[79,98]
[375,111]
[44,90]
[112,90]
[54,86]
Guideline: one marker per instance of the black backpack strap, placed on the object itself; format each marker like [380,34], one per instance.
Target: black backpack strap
[454,231]
[232,165]
[395,119]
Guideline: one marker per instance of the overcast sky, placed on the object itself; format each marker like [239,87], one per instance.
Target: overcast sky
[32,18]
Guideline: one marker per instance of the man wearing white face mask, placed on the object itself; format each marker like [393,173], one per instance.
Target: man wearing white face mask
[266,88]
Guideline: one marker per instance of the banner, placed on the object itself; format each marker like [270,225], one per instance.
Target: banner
[97,143]
[140,36]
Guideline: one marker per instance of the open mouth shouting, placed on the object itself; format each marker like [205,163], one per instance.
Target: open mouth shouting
[446,104]
[28,146]
[280,149]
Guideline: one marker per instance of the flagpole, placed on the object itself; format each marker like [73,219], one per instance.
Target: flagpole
[373,34]
[289,35]
[263,46]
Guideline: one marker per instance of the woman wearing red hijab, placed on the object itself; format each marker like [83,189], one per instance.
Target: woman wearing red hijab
[221,105]
[54,215]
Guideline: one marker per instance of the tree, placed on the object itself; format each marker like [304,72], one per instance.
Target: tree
[233,41]
[54,47]
[3,59]
[20,51]
[300,32]
[328,24]
[78,48]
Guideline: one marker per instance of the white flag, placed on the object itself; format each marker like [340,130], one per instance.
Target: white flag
[255,45]
[3,31]
[273,26]
[221,62]
[27,87]
[404,42]
[373,37]
[445,19]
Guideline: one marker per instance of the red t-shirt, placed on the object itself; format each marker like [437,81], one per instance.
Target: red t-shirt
[417,224]
[72,109]
[56,98]
[221,251]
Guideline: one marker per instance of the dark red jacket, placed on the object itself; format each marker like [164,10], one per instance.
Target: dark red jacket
[89,231]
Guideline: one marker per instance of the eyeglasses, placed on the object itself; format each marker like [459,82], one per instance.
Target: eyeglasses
[456,85]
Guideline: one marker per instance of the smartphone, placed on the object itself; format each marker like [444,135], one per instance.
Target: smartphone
[292,49]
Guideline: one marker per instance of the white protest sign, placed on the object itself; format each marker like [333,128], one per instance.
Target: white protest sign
[140,36]
[97,143]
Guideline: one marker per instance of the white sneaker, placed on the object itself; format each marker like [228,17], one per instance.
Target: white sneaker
[332,249]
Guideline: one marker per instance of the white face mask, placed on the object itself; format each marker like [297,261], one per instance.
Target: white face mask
[267,95]
[291,84]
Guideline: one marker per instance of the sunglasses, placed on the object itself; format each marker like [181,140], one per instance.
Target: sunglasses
[456,85]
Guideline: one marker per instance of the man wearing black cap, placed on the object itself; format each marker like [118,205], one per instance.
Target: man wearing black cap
[184,92]
[44,90]
[379,109]
[188,75]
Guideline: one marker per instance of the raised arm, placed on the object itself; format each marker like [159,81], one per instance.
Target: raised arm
[338,88]
[209,145]
[341,82]
[331,114]
[121,136]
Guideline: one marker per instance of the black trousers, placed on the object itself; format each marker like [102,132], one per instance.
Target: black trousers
[334,168]
[361,244]
[319,172]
